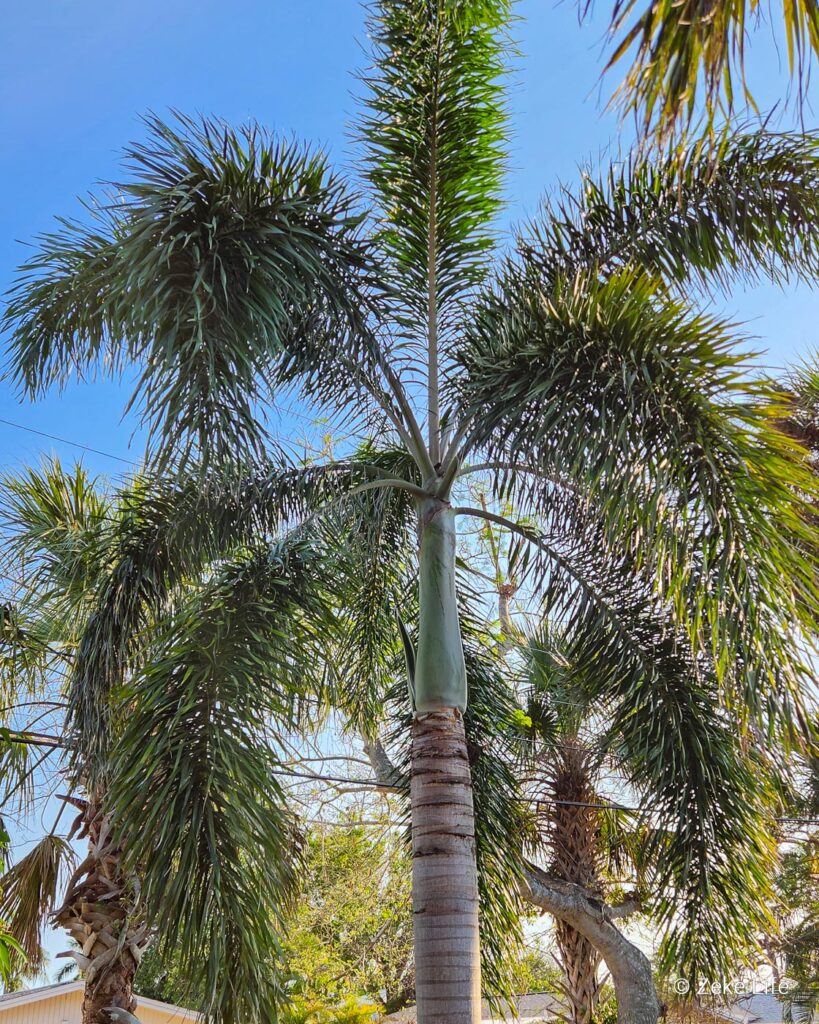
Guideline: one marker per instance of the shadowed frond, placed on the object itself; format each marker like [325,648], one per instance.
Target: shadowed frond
[192,785]
[706,850]
[28,895]
[615,395]
[224,254]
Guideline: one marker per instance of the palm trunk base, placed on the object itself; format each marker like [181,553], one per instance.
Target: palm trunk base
[444,873]
[100,913]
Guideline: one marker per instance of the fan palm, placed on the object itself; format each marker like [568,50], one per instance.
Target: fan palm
[231,267]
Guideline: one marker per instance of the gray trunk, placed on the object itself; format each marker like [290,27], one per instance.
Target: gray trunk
[444,875]
[630,969]
[100,913]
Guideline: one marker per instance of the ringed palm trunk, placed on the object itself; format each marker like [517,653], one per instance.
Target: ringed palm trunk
[101,915]
[444,871]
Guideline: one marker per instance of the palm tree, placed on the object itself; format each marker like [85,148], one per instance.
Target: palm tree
[57,537]
[230,267]
[62,538]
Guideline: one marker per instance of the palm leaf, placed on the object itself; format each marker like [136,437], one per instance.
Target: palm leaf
[28,893]
[223,252]
[192,786]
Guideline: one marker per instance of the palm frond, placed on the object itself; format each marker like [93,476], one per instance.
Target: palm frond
[744,208]
[28,893]
[706,808]
[617,397]
[192,786]
[56,524]
[691,55]
[223,253]
[373,538]
[434,131]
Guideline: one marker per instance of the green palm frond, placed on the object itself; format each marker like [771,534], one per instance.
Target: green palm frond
[55,523]
[28,893]
[745,208]
[374,540]
[707,849]
[192,786]
[689,56]
[434,131]
[617,397]
[223,253]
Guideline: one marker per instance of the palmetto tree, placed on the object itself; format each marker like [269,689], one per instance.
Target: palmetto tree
[230,267]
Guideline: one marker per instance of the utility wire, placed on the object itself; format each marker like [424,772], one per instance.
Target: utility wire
[65,440]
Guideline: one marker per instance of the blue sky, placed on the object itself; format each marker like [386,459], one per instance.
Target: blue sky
[78,74]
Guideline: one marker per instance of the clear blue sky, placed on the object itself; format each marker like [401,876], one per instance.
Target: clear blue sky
[78,73]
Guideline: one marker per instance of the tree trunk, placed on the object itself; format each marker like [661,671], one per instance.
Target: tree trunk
[100,913]
[571,829]
[444,875]
[630,969]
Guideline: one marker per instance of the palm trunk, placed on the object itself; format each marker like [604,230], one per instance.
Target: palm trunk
[100,914]
[444,872]
[572,828]
[444,876]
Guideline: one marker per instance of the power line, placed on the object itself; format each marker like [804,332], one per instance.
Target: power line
[65,440]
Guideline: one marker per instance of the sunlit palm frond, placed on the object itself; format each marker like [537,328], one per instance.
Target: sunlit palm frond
[744,209]
[688,59]
[434,130]
[223,253]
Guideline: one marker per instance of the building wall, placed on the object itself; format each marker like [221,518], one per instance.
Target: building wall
[66,1008]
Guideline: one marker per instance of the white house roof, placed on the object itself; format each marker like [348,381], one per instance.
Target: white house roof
[34,995]
[761,1008]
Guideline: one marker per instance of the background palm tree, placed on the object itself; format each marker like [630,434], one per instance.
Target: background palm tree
[63,538]
[230,267]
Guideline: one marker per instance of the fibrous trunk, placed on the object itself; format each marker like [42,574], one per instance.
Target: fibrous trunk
[572,833]
[444,876]
[100,913]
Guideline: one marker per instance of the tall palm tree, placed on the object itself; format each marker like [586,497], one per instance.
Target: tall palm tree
[230,267]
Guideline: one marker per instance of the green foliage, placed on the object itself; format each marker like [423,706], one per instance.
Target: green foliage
[192,775]
[697,216]
[27,897]
[665,515]
[616,391]
[350,1011]
[350,934]
[435,138]
[222,251]
[688,55]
